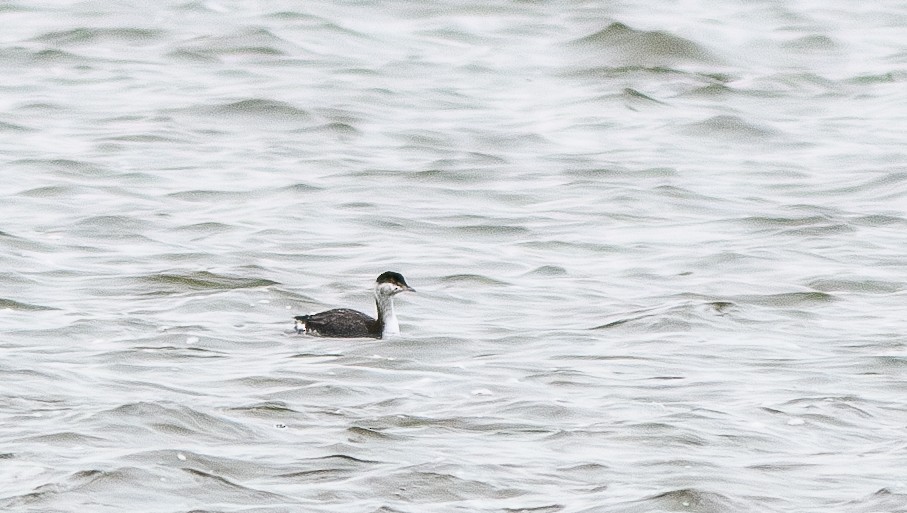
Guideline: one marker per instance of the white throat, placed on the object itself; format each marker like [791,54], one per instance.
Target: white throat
[386,313]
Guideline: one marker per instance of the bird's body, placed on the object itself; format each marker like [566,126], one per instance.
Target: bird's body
[348,323]
[339,322]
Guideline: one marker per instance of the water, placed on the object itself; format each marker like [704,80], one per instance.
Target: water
[659,255]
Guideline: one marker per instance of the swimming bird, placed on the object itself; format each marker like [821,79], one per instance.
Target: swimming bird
[348,323]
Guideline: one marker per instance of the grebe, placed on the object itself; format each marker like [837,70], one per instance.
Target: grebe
[347,323]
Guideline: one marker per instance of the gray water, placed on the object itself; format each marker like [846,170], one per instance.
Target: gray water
[659,249]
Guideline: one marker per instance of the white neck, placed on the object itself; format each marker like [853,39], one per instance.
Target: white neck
[386,314]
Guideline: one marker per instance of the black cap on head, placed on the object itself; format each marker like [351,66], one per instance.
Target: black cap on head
[392,277]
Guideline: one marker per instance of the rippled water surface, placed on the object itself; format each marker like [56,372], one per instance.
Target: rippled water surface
[660,255]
